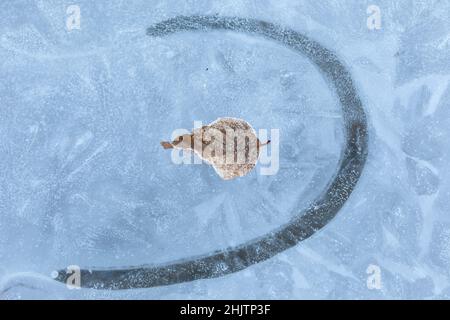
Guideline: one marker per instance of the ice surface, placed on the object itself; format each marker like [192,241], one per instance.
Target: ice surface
[84,181]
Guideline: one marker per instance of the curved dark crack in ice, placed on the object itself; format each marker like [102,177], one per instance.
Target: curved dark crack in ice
[307,221]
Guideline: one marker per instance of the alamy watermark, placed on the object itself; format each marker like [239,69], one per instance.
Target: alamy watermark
[228,147]
[374,19]
[73,280]
[73,19]
[374,277]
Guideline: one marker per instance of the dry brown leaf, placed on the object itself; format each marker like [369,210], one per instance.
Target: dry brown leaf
[230,145]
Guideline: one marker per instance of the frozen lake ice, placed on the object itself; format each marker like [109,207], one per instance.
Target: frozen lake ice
[83,179]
